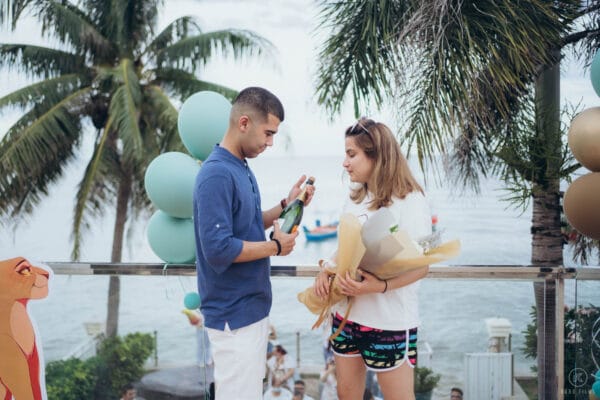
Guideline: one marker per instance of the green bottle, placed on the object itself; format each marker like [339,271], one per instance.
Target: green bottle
[292,213]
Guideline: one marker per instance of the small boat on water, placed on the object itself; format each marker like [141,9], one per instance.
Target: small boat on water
[320,232]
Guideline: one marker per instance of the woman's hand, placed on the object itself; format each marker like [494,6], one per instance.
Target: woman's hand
[369,284]
[322,282]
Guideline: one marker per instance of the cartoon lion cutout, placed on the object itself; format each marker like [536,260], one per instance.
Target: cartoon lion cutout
[20,362]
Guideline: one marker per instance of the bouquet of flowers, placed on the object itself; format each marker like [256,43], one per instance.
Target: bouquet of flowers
[376,247]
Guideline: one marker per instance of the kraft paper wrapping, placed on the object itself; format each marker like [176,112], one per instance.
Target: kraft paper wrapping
[375,257]
[350,251]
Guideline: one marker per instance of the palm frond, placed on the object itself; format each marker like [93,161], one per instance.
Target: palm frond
[94,190]
[193,52]
[72,26]
[34,152]
[475,56]
[360,55]
[177,30]
[471,159]
[162,114]
[135,22]
[125,109]
[584,248]
[11,10]
[478,60]
[47,90]
[183,84]
[39,62]
[586,40]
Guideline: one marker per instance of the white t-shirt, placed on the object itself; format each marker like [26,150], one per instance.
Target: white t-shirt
[395,309]
[329,391]
[283,395]
[282,366]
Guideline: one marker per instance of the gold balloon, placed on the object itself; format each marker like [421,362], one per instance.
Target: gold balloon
[593,396]
[584,138]
[582,204]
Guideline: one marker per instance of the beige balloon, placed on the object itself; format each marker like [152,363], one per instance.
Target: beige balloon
[584,138]
[582,205]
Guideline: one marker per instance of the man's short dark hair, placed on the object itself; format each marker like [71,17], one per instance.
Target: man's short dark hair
[127,387]
[299,382]
[261,101]
[455,389]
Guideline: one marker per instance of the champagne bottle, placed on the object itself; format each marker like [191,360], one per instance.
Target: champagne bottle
[292,213]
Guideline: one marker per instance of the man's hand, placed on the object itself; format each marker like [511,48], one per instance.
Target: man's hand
[297,188]
[287,241]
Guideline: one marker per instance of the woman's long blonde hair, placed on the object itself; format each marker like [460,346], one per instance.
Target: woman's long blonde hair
[391,176]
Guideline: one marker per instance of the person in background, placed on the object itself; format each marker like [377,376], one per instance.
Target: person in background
[329,381]
[456,393]
[203,353]
[281,368]
[128,392]
[272,341]
[381,331]
[276,391]
[300,387]
[233,255]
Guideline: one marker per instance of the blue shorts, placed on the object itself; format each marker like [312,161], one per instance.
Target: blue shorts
[380,349]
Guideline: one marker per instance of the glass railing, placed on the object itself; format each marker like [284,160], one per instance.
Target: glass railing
[473,333]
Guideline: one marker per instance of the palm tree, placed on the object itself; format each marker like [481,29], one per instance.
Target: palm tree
[112,76]
[479,80]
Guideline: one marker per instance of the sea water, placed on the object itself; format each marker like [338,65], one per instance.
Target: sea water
[452,311]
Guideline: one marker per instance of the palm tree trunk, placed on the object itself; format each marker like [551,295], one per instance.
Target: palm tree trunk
[545,228]
[114,285]
[547,249]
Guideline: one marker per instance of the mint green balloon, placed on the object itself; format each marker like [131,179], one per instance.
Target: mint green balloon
[172,239]
[202,122]
[169,182]
[595,73]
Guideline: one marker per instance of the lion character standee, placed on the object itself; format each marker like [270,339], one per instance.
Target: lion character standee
[20,361]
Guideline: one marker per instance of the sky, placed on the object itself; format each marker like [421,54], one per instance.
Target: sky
[291,25]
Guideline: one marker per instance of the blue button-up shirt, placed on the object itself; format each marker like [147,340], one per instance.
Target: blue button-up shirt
[227,211]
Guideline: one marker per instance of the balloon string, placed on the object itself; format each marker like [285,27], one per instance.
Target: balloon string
[164,273]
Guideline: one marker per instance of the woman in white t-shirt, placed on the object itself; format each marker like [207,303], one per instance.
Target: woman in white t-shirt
[381,331]
[281,368]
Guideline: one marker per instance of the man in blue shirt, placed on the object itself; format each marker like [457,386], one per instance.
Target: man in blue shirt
[232,260]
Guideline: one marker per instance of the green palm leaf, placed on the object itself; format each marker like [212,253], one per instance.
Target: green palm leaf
[11,10]
[34,152]
[70,25]
[134,22]
[193,52]
[161,113]
[177,30]
[94,189]
[360,54]
[184,84]
[50,90]
[39,62]
[124,108]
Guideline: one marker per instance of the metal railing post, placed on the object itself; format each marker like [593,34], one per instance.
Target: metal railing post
[560,335]
[298,350]
[156,348]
